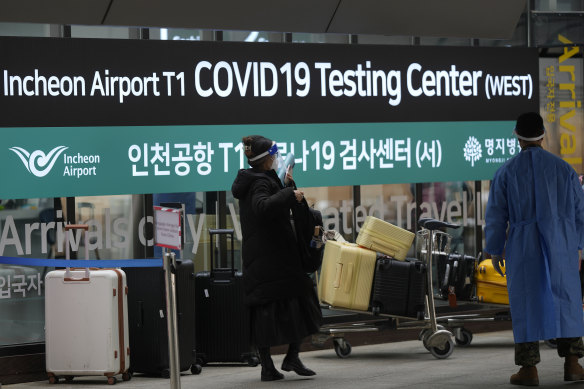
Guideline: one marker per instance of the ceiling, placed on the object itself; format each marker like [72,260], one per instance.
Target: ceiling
[493,19]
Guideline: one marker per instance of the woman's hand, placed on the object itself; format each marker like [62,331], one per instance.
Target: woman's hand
[299,195]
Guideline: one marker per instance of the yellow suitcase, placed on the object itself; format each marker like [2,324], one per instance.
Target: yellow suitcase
[346,275]
[491,286]
[384,237]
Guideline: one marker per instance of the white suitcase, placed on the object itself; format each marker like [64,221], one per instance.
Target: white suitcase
[86,322]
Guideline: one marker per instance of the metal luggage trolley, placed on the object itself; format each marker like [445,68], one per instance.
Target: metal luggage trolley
[482,312]
[436,338]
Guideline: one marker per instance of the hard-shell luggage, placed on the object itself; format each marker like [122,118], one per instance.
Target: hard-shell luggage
[148,322]
[399,288]
[384,237]
[346,275]
[491,286]
[222,321]
[456,275]
[86,321]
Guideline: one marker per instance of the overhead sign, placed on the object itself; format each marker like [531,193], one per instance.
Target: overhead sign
[69,161]
[98,117]
[82,82]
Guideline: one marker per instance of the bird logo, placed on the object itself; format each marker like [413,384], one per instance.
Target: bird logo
[37,162]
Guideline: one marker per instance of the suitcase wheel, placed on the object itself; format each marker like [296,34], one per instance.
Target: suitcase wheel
[196,369]
[53,380]
[127,376]
[111,380]
[253,361]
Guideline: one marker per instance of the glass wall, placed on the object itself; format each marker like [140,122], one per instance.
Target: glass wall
[27,230]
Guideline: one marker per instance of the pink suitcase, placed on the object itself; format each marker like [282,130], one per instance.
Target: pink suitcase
[86,322]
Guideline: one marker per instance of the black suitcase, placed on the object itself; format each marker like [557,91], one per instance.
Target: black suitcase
[456,273]
[147,319]
[222,322]
[399,288]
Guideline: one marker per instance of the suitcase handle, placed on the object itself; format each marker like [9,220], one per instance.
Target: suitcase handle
[349,278]
[222,231]
[85,227]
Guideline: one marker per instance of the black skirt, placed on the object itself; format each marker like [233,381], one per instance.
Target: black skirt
[285,321]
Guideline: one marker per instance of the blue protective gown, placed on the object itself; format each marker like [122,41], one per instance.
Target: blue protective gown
[539,197]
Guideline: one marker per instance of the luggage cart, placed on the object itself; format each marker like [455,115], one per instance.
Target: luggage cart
[482,312]
[435,337]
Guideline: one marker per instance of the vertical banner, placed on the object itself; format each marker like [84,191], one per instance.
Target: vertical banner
[561,104]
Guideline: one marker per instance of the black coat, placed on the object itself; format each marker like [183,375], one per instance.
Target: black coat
[271,260]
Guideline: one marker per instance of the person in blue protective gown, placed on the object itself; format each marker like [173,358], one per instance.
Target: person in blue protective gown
[535,213]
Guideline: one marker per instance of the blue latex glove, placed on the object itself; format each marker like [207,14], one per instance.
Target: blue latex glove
[498,261]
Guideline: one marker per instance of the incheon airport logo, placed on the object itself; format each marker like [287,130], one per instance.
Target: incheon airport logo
[40,164]
[37,162]
[472,150]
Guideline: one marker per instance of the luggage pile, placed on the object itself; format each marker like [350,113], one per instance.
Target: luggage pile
[459,275]
[373,274]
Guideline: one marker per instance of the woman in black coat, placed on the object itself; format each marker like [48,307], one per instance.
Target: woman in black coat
[280,295]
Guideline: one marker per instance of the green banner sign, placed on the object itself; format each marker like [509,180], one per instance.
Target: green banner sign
[69,161]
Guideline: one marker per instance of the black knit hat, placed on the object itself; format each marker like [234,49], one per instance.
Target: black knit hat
[529,127]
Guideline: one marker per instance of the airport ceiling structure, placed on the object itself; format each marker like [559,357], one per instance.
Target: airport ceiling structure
[494,19]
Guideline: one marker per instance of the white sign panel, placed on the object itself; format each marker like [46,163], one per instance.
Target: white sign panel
[167,225]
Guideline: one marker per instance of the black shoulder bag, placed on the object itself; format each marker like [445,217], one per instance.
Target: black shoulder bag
[306,219]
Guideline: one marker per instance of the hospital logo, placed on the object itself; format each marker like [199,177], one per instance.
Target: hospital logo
[37,162]
[472,150]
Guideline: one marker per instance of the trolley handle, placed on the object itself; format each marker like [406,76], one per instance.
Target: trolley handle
[85,227]
[433,224]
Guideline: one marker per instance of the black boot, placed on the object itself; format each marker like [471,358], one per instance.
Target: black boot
[269,371]
[292,362]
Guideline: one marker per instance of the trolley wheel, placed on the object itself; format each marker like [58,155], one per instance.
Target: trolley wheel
[253,361]
[423,334]
[53,380]
[342,350]
[465,337]
[111,380]
[196,369]
[127,376]
[443,352]
[201,361]
[425,343]
[551,343]
[69,378]
[165,373]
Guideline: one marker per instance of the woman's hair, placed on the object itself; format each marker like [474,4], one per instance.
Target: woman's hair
[254,145]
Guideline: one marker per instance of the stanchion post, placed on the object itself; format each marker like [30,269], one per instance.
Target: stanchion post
[173,358]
